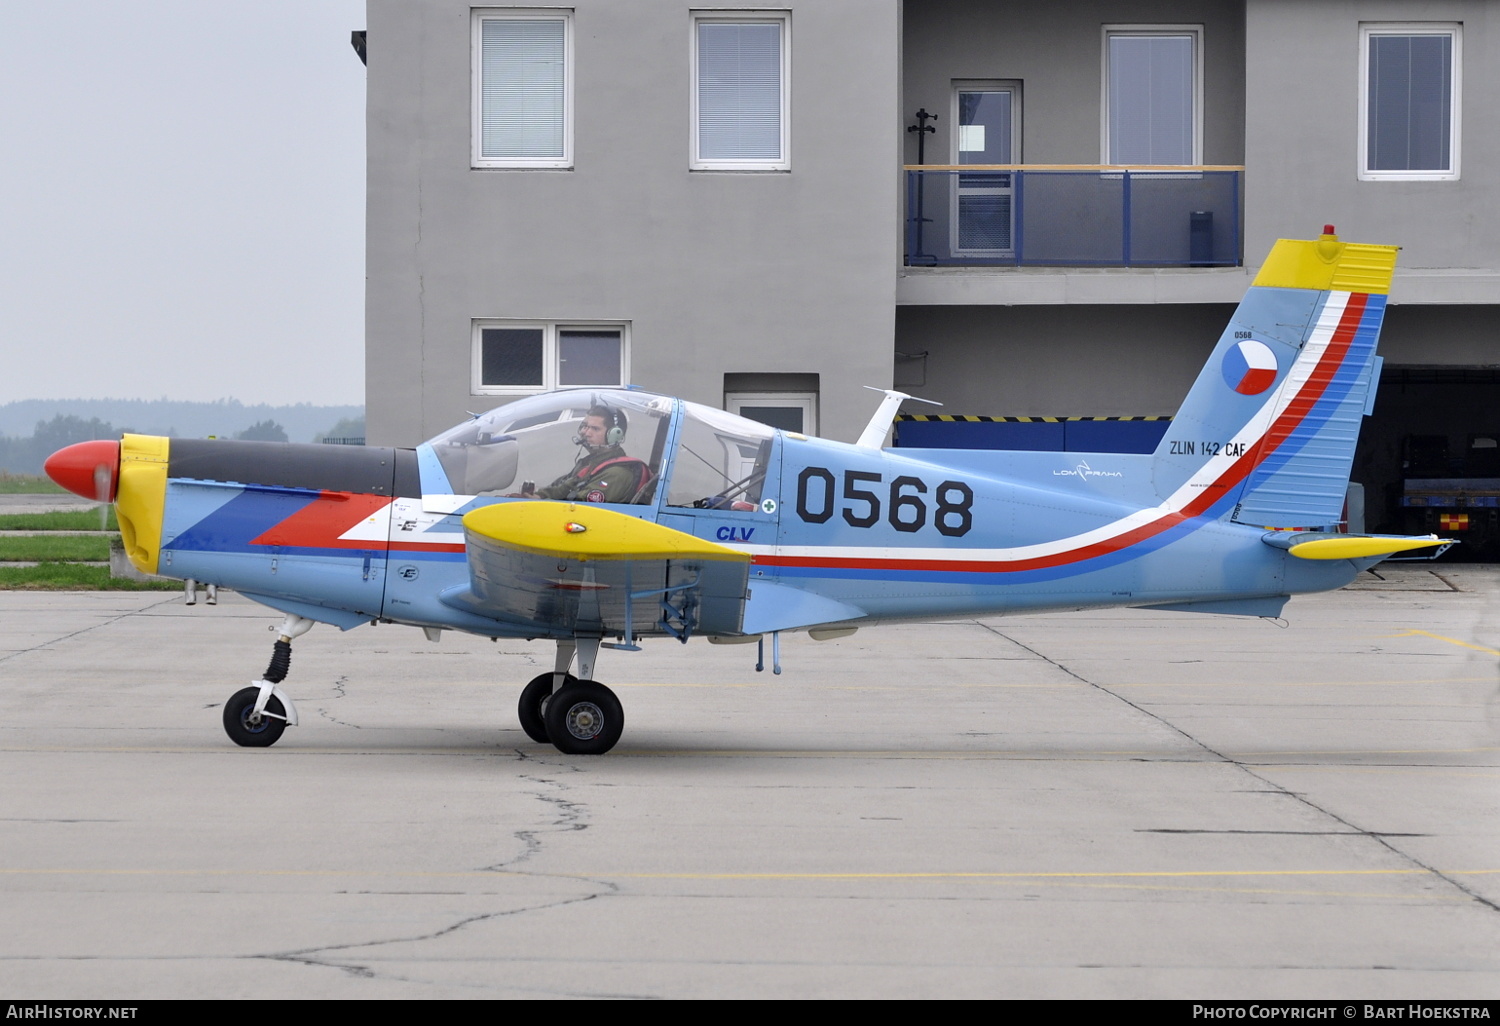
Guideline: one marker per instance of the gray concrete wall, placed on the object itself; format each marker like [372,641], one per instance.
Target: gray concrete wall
[1073,361]
[1302,135]
[715,272]
[1056,52]
[797,273]
[1442,336]
[1125,361]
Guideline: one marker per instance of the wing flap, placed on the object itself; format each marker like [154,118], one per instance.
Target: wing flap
[568,568]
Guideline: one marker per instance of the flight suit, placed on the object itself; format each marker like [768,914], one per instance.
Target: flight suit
[604,476]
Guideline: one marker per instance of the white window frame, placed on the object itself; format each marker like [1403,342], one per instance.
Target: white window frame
[478,17]
[807,402]
[781,18]
[551,363]
[1196,31]
[1430,28]
[958,192]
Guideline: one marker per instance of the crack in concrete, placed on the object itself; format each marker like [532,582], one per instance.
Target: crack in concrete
[338,693]
[1244,767]
[84,630]
[307,956]
[570,817]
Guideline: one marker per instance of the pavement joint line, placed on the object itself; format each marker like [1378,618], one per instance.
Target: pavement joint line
[1407,767]
[796,753]
[1382,751]
[1246,768]
[1305,683]
[1150,874]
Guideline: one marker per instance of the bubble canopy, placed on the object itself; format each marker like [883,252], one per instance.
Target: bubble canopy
[713,459]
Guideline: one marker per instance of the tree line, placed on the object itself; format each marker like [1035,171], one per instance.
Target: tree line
[26,455]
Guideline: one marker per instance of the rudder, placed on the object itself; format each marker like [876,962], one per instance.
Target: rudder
[1267,433]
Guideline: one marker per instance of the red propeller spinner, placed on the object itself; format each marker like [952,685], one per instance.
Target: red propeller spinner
[89,469]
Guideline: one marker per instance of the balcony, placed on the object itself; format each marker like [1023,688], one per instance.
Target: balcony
[1055,215]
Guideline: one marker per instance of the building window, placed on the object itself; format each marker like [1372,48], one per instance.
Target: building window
[1409,101]
[789,411]
[522,88]
[522,357]
[987,119]
[741,85]
[1153,94]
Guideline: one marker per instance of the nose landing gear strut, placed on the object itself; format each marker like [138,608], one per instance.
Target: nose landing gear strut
[255,717]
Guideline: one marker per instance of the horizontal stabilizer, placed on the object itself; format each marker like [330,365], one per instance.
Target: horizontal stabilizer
[1310,545]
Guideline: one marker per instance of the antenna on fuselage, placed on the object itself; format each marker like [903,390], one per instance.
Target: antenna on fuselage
[880,421]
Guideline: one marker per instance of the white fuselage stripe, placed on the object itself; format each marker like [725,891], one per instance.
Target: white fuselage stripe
[1212,470]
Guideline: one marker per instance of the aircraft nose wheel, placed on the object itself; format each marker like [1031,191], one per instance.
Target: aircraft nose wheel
[584,718]
[534,700]
[244,729]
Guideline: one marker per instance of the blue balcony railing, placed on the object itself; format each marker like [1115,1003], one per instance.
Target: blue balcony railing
[1073,216]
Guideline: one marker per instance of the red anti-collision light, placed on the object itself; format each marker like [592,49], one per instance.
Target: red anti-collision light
[90,469]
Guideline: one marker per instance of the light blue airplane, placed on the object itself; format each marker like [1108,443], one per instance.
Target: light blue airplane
[666,518]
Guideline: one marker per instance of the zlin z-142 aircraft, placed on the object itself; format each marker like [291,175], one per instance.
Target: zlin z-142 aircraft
[671,519]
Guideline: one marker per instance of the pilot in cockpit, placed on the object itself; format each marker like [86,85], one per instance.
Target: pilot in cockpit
[603,473]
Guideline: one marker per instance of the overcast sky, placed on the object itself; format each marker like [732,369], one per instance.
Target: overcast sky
[182,200]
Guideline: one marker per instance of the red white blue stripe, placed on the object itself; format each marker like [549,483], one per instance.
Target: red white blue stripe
[1313,381]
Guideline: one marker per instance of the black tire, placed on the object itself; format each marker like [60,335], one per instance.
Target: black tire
[584,718]
[253,735]
[533,704]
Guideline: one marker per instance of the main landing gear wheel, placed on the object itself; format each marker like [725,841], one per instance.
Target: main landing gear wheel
[533,705]
[259,733]
[584,718]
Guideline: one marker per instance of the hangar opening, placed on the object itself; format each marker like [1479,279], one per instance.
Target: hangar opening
[1429,457]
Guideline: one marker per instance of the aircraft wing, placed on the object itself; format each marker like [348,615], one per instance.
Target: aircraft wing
[576,568]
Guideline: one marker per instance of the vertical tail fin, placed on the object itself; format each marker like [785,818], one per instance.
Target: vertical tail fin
[1266,435]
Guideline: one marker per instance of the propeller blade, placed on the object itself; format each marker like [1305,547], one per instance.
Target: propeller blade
[104,485]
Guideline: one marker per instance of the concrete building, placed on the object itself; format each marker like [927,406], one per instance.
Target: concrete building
[719,203]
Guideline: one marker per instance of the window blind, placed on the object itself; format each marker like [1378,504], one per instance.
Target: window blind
[1151,95]
[739,91]
[522,87]
[1410,103]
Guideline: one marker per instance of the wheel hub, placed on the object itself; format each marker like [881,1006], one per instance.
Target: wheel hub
[585,721]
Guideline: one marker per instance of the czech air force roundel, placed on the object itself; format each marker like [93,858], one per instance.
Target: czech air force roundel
[1250,367]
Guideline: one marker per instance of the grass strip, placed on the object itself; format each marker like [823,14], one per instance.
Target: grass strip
[82,520]
[74,577]
[28,484]
[57,548]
